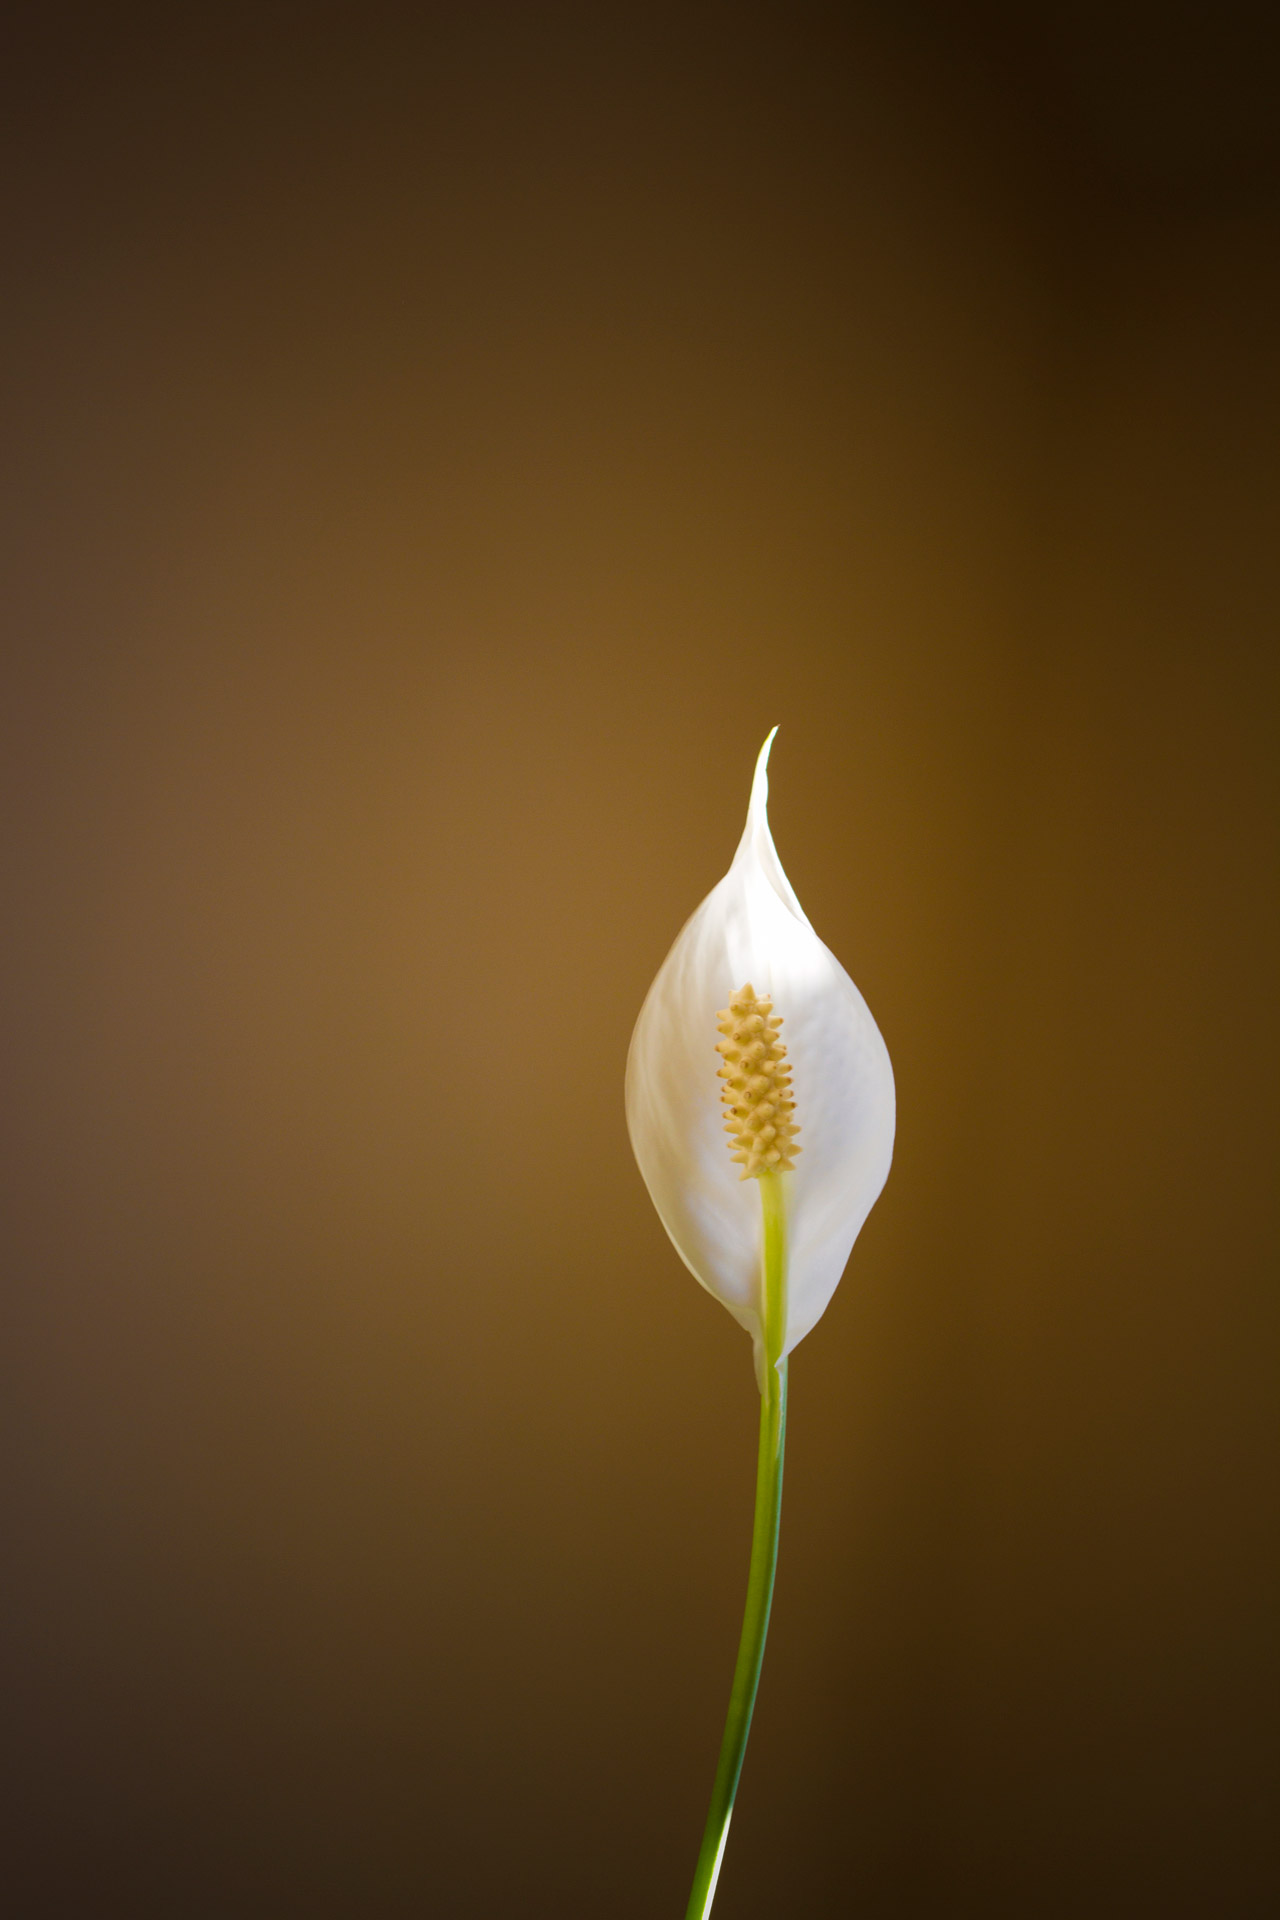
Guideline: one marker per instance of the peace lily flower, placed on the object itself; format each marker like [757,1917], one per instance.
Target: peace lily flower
[751,1035]
[752,932]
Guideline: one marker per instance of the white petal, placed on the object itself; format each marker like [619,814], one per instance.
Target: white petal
[752,928]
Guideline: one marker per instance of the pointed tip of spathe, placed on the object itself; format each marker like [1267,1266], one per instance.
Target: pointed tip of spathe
[757,841]
[760,784]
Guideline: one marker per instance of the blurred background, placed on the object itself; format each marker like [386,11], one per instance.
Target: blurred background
[437,445]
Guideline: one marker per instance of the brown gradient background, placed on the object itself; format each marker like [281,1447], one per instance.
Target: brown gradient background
[434,454]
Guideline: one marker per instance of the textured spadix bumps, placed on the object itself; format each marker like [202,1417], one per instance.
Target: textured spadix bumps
[751,928]
[757,1090]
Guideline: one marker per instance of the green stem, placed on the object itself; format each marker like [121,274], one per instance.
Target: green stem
[764,1551]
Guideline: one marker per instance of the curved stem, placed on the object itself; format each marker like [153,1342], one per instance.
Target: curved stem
[764,1554]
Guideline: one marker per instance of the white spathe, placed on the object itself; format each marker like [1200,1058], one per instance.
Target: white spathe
[752,928]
